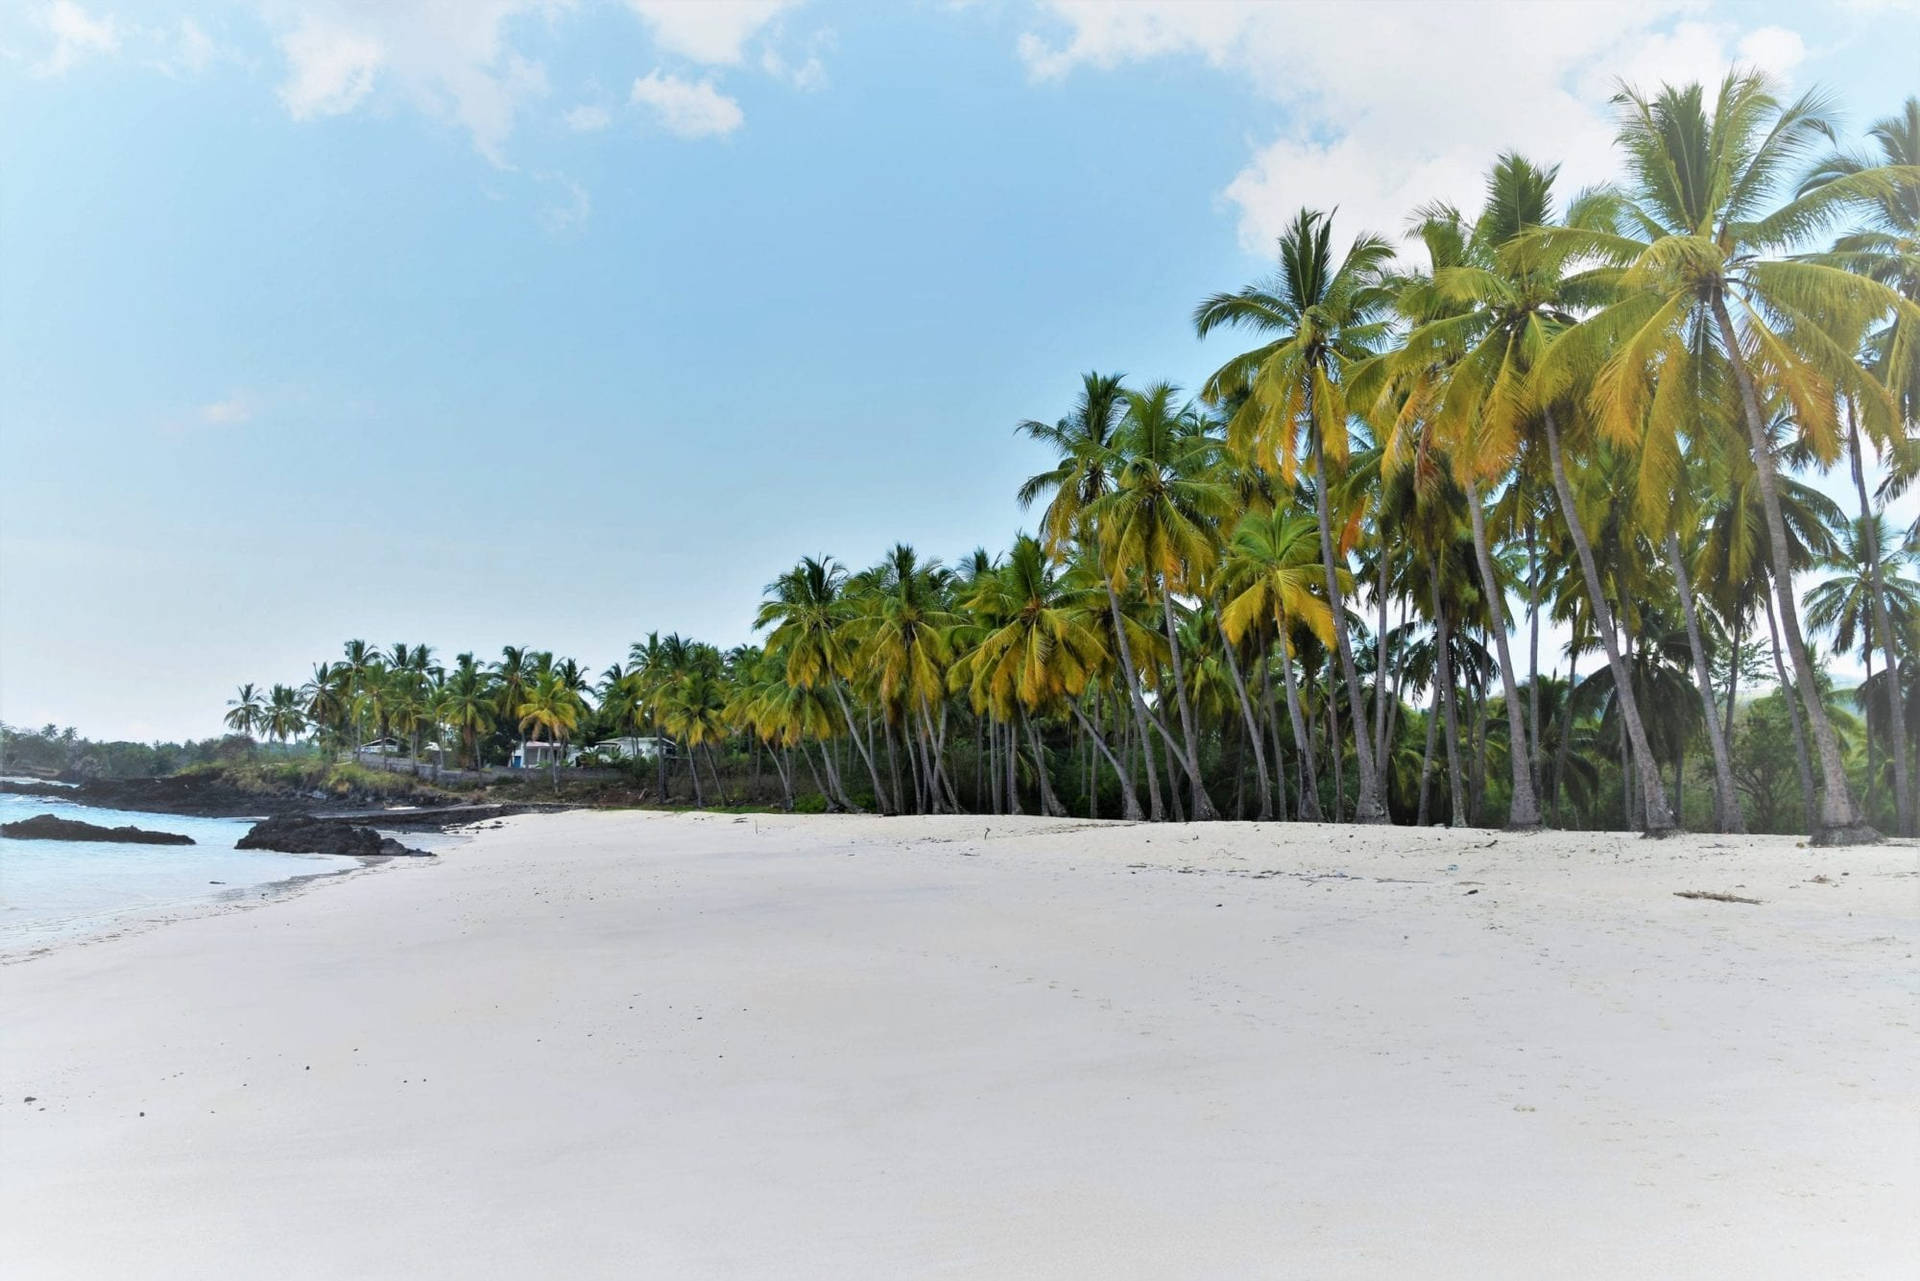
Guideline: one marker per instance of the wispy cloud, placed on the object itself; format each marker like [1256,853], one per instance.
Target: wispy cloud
[588,118]
[77,36]
[229,412]
[686,108]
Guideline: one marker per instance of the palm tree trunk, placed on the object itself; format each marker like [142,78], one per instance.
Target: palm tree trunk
[1524,814]
[1535,763]
[1203,810]
[866,752]
[1380,663]
[825,794]
[1246,711]
[1733,671]
[1456,778]
[1659,816]
[1840,822]
[1426,755]
[1136,699]
[1371,808]
[1302,736]
[1173,777]
[1801,757]
[1905,802]
[1273,730]
[1129,799]
[1049,803]
[1726,803]
[1336,758]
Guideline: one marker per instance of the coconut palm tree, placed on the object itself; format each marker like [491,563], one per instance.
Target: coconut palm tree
[1159,521]
[282,717]
[247,711]
[1088,461]
[1038,654]
[1271,573]
[470,704]
[1320,318]
[807,610]
[1698,232]
[550,712]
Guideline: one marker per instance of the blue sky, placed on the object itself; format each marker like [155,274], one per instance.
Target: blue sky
[551,324]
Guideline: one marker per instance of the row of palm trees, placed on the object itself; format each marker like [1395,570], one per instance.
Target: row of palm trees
[1594,415]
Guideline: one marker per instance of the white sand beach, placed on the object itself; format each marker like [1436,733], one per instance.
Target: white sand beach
[628,1045]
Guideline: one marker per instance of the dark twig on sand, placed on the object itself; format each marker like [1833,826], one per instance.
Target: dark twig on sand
[1718,898]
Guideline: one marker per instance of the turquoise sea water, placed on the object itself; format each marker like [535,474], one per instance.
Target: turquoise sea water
[53,890]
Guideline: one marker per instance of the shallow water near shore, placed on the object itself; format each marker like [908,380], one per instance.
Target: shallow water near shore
[55,891]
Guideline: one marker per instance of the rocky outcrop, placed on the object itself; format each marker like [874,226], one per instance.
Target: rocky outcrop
[305,834]
[48,827]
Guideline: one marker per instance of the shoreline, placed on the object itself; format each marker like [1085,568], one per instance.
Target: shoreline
[615,1043]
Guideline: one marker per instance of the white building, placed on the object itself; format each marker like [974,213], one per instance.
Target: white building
[533,754]
[636,748]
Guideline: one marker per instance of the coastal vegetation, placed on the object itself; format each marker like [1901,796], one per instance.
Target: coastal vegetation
[1318,585]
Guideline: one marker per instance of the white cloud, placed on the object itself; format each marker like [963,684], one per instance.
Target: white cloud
[712,32]
[588,118]
[452,60]
[1417,109]
[231,412]
[570,213]
[686,108]
[194,50]
[330,69]
[77,36]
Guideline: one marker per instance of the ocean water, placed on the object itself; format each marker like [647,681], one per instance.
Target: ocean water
[54,890]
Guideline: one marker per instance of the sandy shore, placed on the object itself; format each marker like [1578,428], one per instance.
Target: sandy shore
[600,1045]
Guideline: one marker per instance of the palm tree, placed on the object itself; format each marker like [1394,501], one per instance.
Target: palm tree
[282,717]
[247,712]
[551,709]
[326,698]
[1323,318]
[469,704]
[1086,445]
[1699,232]
[901,631]
[1885,246]
[807,611]
[1269,574]
[1039,654]
[1482,320]
[1158,521]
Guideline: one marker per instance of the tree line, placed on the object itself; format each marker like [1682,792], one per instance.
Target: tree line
[1316,588]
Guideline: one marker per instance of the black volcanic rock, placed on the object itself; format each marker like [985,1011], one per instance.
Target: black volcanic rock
[304,834]
[48,827]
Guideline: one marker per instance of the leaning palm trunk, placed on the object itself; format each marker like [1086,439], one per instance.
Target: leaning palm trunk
[1049,803]
[1253,727]
[1135,699]
[1726,804]
[1302,736]
[1129,799]
[1369,807]
[866,753]
[1203,810]
[1904,801]
[1840,822]
[1525,811]
[1802,759]
[1659,818]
